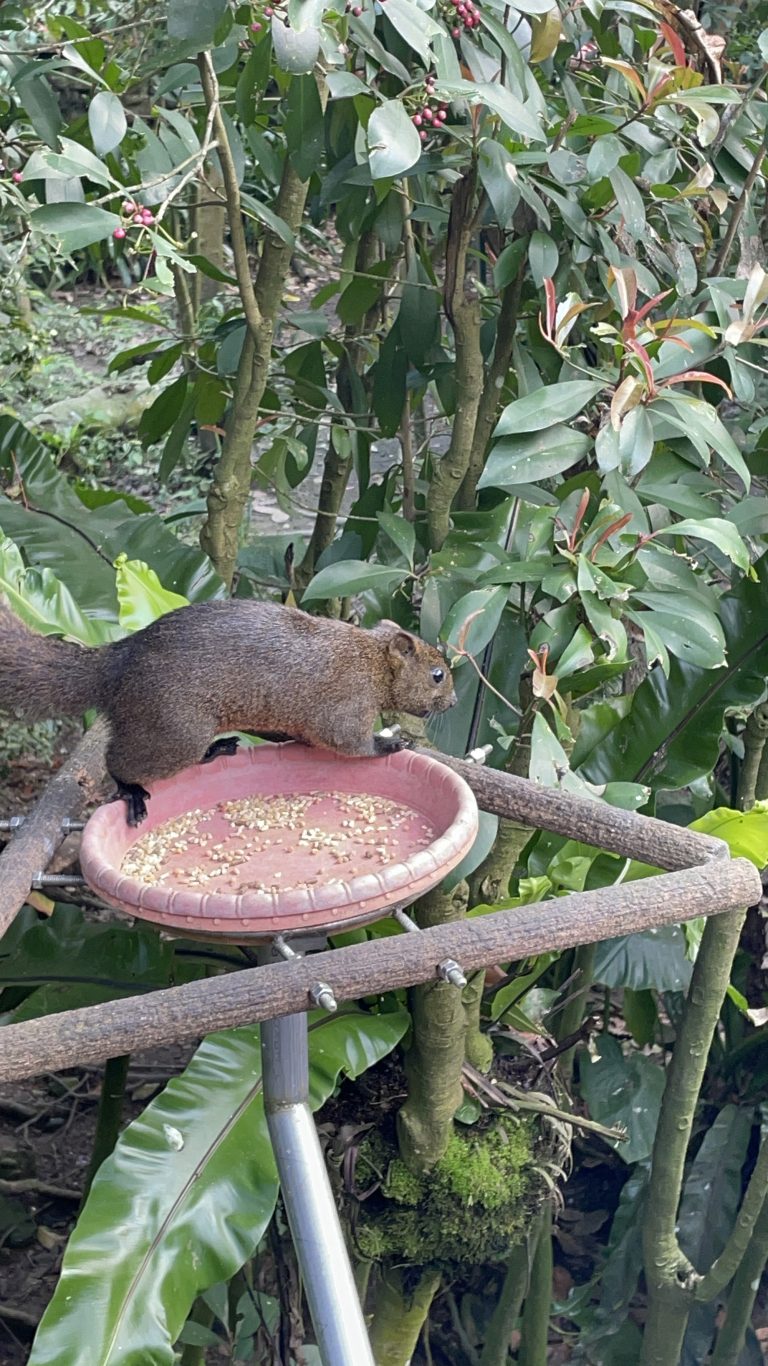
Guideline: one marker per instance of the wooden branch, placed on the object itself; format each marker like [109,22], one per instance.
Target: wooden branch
[197,1008]
[606,827]
[36,841]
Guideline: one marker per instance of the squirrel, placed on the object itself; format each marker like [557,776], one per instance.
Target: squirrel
[170,689]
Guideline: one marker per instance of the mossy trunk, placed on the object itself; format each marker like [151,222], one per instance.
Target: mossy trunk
[435,1056]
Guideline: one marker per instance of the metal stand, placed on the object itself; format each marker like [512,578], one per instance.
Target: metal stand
[309,1204]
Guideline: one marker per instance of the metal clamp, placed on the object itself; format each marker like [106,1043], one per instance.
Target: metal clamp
[479,755]
[449,970]
[322,995]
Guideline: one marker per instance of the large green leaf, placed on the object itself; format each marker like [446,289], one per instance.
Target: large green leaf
[185,1198]
[672,733]
[624,1090]
[652,958]
[352,576]
[75,225]
[80,546]
[535,455]
[394,145]
[43,602]
[547,407]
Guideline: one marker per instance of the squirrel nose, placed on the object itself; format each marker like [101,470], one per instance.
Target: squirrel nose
[452,700]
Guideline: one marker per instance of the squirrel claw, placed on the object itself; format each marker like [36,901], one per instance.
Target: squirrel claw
[135,796]
[227,744]
[388,741]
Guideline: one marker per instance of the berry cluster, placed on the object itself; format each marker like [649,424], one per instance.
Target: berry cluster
[266,13]
[136,216]
[467,12]
[433,115]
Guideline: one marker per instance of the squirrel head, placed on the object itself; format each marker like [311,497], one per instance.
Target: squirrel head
[421,679]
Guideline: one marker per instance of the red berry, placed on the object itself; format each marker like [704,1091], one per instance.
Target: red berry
[455,32]
[147,218]
[440,116]
[129,206]
[418,120]
[357,11]
[255,28]
[17,177]
[269,11]
[427,113]
[423,135]
[119,233]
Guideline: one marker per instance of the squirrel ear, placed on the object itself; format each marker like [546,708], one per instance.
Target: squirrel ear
[403,643]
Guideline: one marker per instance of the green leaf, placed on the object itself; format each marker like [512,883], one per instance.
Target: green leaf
[295,51]
[419,315]
[107,122]
[519,119]
[526,459]
[414,25]
[394,145]
[671,735]
[42,601]
[546,407]
[488,604]
[698,421]
[141,595]
[194,21]
[630,202]
[304,125]
[650,959]
[389,381]
[54,533]
[498,174]
[745,832]
[345,85]
[716,530]
[75,225]
[363,292]
[184,1199]
[543,256]
[72,160]
[713,1187]
[352,576]
[687,628]
[160,415]
[627,1091]
[41,106]
[402,533]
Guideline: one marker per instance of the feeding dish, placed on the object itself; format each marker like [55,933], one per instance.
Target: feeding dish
[282,838]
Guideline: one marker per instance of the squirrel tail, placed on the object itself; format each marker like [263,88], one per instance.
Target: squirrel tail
[43,676]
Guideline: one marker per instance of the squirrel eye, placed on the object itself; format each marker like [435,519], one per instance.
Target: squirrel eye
[438,675]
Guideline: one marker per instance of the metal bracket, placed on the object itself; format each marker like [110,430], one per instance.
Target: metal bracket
[449,970]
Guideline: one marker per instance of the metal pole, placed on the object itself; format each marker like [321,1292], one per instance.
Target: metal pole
[312,1215]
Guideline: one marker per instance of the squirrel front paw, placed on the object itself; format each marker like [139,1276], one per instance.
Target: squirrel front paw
[389,741]
[135,797]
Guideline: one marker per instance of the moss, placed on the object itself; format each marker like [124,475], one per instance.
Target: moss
[474,1206]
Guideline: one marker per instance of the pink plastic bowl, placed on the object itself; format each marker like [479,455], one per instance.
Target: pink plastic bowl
[438,801]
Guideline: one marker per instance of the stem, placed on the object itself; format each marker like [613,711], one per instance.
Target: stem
[504,1318]
[738,212]
[492,388]
[337,467]
[400,1314]
[478,1048]
[669,1275]
[742,1236]
[435,1057]
[730,1339]
[230,489]
[191,1355]
[538,1301]
[755,736]
[406,448]
[463,312]
[572,1015]
[108,1116]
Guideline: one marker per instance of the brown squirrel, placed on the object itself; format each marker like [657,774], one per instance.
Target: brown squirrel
[171,688]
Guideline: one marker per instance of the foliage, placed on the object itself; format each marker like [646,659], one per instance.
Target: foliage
[531,377]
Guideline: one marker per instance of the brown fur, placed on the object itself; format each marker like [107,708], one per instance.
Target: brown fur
[169,689]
